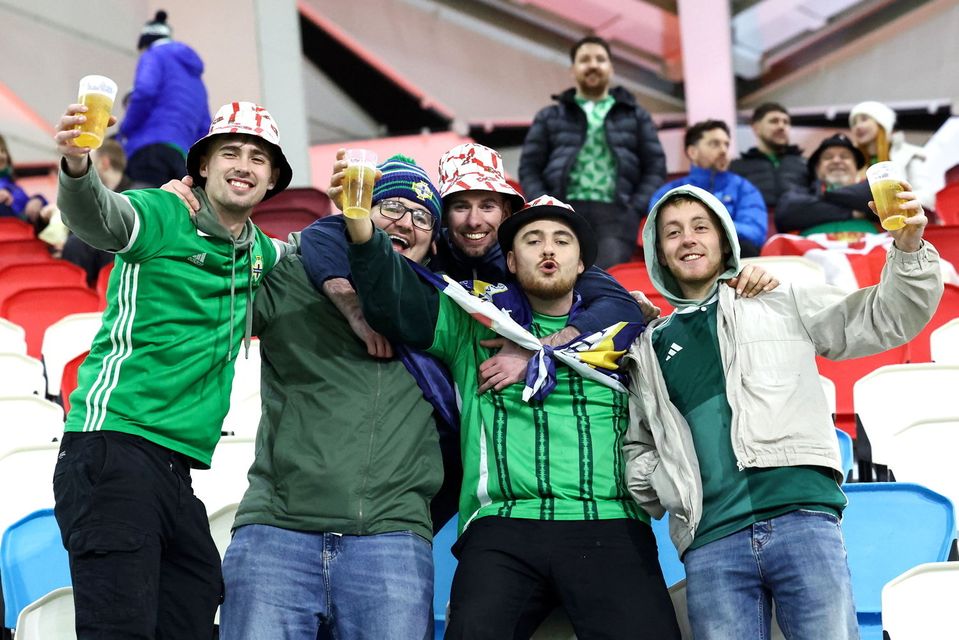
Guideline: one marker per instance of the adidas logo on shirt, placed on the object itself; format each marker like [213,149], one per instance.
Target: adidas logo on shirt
[673,350]
[198,259]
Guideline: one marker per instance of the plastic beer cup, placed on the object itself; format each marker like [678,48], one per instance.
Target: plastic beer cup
[884,179]
[97,93]
[358,183]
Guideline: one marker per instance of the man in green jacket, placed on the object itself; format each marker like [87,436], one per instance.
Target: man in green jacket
[335,528]
[152,394]
[547,516]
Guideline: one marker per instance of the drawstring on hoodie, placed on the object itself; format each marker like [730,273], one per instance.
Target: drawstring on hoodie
[232,296]
[248,328]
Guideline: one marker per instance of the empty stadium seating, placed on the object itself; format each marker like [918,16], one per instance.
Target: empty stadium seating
[633,276]
[920,604]
[23,251]
[944,343]
[13,338]
[919,347]
[21,375]
[889,528]
[37,309]
[68,379]
[52,616]
[291,210]
[33,562]
[894,396]
[30,470]
[15,229]
[924,452]
[64,340]
[28,420]
[225,482]
[40,275]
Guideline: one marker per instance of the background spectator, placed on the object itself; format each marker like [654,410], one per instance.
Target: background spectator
[597,149]
[872,126]
[168,108]
[773,166]
[13,200]
[707,147]
[836,201]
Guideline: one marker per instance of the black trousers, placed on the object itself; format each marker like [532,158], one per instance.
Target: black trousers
[155,165]
[604,573]
[142,560]
[615,227]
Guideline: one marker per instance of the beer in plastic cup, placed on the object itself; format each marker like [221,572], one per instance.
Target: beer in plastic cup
[884,179]
[358,183]
[97,93]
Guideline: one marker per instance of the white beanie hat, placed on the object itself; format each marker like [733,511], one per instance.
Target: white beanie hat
[879,112]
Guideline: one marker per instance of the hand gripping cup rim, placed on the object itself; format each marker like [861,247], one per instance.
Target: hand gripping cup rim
[243,118]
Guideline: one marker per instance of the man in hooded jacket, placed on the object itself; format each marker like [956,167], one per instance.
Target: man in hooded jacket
[730,431]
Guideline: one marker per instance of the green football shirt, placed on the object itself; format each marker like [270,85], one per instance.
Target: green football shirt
[559,459]
[161,365]
[593,174]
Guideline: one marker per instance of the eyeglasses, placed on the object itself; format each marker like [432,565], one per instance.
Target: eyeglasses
[395,210]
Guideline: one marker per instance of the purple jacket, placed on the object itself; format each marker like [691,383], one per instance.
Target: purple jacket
[169,102]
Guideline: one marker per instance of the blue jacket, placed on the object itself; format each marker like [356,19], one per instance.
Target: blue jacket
[20,198]
[743,200]
[169,102]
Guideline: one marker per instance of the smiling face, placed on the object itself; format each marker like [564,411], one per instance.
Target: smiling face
[836,166]
[592,70]
[473,218]
[691,244]
[407,239]
[546,261]
[238,171]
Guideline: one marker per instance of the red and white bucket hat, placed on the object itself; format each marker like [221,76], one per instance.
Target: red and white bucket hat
[249,119]
[474,167]
[554,209]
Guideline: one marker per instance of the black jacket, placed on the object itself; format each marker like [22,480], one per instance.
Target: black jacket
[802,208]
[773,181]
[558,133]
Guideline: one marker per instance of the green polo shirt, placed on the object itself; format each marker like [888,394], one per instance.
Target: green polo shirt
[593,175]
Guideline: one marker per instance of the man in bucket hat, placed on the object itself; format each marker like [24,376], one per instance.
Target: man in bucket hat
[547,516]
[152,394]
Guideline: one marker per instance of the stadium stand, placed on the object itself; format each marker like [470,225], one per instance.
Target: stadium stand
[37,309]
[33,562]
[924,451]
[944,343]
[889,528]
[52,616]
[920,603]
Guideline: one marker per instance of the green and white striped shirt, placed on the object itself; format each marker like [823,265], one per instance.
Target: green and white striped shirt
[560,459]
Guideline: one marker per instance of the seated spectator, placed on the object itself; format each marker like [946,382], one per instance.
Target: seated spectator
[109,161]
[707,147]
[836,201]
[871,124]
[168,108]
[14,201]
[773,166]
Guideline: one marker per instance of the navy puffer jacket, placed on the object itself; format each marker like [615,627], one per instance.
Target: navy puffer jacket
[558,133]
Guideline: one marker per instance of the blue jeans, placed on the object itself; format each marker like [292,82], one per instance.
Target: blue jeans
[284,585]
[797,560]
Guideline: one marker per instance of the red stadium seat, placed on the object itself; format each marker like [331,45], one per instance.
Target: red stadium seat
[15,229]
[37,309]
[68,382]
[946,240]
[948,310]
[40,275]
[947,204]
[844,374]
[633,276]
[660,302]
[291,210]
[23,251]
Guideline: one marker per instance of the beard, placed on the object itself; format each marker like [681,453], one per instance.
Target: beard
[542,288]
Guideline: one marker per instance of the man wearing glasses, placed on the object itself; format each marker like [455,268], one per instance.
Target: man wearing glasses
[334,530]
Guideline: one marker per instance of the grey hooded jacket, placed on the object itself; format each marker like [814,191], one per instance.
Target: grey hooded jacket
[768,346]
